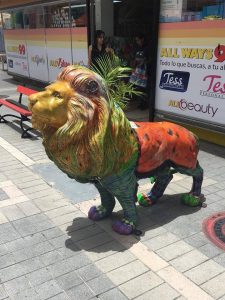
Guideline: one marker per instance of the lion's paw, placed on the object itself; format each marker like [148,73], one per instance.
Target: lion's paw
[97,213]
[192,200]
[144,200]
[122,228]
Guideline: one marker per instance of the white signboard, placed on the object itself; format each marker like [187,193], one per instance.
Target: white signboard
[37,56]
[191,82]
[59,50]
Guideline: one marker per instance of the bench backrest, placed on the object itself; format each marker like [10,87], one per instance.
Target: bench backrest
[25,91]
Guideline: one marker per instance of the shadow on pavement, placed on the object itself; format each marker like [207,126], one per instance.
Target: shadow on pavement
[165,211]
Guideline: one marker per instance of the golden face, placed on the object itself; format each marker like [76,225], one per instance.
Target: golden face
[50,106]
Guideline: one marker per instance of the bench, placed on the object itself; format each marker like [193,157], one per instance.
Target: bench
[20,108]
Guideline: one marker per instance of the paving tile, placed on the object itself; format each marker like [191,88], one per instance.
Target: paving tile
[24,242]
[81,292]
[3,294]
[152,232]
[204,272]
[32,224]
[188,260]
[85,233]
[52,233]
[174,250]
[89,272]
[197,240]
[140,285]
[114,294]
[17,285]
[8,233]
[6,260]
[32,264]
[115,261]
[60,241]
[161,241]
[12,212]
[69,280]
[48,289]
[162,292]
[70,264]
[92,242]
[69,250]
[220,259]
[127,272]
[3,250]
[100,284]
[12,272]
[62,296]
[68,209]
[29,208]
[104,250]
[33,251]
[25,295]
[39,276]
[210,250]
[215,287]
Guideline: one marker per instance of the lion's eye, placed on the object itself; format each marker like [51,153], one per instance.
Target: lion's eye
[56,94]
[92,86]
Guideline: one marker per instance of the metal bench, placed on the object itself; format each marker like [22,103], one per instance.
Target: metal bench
[20,108]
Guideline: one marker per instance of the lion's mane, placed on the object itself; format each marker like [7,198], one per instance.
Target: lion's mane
[96,140]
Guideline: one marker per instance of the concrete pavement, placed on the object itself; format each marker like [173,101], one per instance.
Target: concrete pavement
[49,249]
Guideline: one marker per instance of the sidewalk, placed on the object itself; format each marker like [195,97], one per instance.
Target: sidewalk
[49,249]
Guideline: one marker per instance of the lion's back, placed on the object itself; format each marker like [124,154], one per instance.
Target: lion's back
[162,141]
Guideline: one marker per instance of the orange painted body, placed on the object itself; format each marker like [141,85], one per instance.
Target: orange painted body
[162,141]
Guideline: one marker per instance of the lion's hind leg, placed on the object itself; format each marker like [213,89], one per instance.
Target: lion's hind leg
[104,210]
[163,178]
[195,197]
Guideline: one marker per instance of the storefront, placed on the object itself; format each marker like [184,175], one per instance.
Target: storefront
[41,39]
[190,82]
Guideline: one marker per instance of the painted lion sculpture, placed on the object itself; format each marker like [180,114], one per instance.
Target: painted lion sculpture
[89,138]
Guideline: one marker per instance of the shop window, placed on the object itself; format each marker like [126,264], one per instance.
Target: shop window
[33,18]
[13,19]
[57,16]
[191,10]
[78,14]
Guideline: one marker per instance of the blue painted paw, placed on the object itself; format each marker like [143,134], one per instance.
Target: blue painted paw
[97,213]
[122,227]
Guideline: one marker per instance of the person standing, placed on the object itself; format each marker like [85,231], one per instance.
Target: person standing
[139,75]
[98,49]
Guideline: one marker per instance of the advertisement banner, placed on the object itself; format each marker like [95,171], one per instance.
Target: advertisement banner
[191,70]
[37,56]
[16,51]
[80,46]
[59,52]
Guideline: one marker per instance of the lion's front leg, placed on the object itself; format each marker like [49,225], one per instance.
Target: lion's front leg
[104,210]
[124,188]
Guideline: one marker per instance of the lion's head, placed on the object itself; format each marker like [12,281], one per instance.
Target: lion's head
[84,133]
[75,98]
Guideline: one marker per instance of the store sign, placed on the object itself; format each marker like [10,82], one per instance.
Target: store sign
[16,52]
[191,73]
[174,80]
[37,59]
[58,63]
